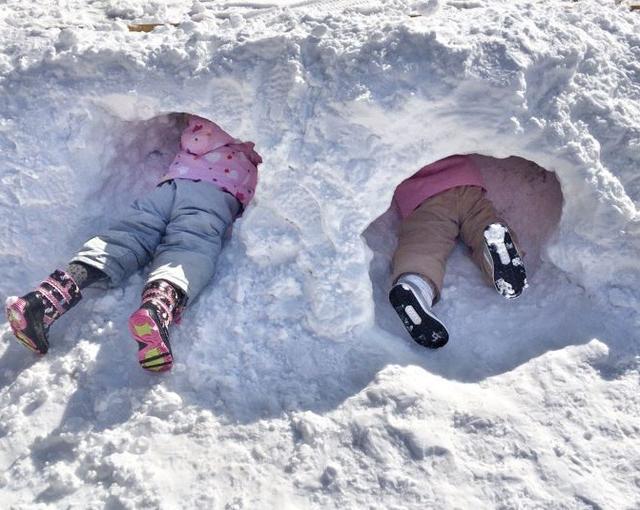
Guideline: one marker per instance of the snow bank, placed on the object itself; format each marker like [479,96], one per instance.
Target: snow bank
[273,399]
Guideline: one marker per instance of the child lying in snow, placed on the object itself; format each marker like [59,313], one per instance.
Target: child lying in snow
[178,226]
[443,200]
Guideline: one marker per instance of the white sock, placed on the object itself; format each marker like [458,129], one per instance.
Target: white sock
[423,286]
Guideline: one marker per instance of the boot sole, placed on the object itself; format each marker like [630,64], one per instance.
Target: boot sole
[509,275]
[154,353]
[423,327]
[21,321]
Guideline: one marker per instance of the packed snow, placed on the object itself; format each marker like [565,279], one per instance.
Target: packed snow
[295,385]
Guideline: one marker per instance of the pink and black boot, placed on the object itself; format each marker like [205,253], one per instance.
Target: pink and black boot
[31,315]
[149,324]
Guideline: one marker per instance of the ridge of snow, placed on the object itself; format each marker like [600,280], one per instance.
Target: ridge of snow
[294,385]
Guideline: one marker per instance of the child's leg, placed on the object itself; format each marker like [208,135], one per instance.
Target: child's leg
[31,315]
[411,297]
[130,243]
[149,324]
[184,263]
[493,245]
[478,213]
[426,239]
[114,254]
[187,254]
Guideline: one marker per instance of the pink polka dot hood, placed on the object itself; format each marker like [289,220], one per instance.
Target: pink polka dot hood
[210,154]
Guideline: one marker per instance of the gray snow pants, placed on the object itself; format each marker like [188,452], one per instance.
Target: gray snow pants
[178,227]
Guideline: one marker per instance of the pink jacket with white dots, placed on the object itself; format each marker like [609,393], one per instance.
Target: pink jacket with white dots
[210,154]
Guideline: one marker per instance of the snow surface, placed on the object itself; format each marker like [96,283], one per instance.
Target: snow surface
[295,385]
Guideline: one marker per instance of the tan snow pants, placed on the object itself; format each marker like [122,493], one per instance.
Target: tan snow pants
[428,234]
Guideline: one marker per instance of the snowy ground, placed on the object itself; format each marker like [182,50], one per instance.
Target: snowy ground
[295,386]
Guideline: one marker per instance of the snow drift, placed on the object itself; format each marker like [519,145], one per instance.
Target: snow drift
[294,385]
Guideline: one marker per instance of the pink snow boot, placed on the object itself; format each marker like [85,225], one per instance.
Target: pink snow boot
[149,324]
[31,315]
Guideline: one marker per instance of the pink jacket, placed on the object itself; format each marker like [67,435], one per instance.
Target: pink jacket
[435,178]
[209,153]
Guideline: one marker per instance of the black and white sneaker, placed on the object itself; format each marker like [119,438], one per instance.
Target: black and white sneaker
[416,315]
[501,253]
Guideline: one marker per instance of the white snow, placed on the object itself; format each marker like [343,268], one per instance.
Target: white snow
[495,236]
[296,385]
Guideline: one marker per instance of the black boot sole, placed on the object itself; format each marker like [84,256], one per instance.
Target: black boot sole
[423,327]
[509,278]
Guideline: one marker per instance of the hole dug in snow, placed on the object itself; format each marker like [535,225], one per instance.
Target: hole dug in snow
[530,199]
[120,160]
